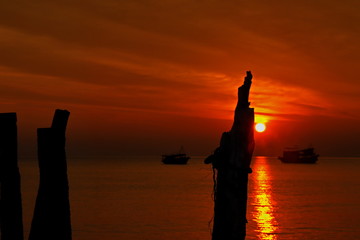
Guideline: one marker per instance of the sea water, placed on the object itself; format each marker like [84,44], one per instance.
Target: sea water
[139,198]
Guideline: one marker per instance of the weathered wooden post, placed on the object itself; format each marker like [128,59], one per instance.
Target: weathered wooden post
[51,218]
[231,163]
[11,224]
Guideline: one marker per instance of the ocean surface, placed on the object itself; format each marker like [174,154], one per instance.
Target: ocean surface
[139,198]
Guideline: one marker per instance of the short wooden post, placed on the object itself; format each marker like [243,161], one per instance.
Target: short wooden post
[51,218]
[231,162]
[11,224]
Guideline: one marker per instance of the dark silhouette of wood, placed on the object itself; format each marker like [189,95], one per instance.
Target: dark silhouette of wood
[51,218]
[60,120]
[11,224]
[231,163]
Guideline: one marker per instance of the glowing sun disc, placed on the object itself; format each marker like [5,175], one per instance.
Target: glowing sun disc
[260,127]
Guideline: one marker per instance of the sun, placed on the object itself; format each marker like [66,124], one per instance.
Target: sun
[260,127]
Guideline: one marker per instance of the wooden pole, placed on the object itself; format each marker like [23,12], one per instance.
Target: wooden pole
[11,224]
[51,218]
[231,162]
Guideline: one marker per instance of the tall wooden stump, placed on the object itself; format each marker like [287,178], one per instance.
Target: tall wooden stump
[51,218]
[11,224]
[231,162]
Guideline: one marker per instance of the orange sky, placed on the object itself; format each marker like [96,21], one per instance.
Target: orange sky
[145,77]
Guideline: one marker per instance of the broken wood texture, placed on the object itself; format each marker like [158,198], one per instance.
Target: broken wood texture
[231,163]
[11,224]
[51,218]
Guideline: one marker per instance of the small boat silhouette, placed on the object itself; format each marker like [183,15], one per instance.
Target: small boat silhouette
[177,158]
[306,155]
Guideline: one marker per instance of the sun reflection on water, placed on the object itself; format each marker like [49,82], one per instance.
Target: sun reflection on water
[263,203]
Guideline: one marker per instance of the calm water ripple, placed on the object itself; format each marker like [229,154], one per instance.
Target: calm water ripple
[139,198]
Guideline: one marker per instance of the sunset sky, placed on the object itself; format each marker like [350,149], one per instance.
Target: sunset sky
[144,77]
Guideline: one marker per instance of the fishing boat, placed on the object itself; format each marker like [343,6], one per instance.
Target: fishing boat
[306,155]
[177,158]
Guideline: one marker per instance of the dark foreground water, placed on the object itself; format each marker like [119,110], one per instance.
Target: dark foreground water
[138,198]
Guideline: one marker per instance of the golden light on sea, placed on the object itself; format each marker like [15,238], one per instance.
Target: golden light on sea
[264,212]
